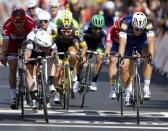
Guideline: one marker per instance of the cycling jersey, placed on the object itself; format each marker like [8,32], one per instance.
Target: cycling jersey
[112,35]
[94,42]
[133,40]
[75,39]
[15,36]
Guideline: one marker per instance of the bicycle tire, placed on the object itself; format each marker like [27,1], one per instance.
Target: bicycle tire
[86,84]
[137,98]
[121,91]
[22,90]
[43,86]
[68,86]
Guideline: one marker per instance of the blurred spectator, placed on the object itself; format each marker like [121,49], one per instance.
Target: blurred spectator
[33,9]
[54,10]
[43,4]
[108,10]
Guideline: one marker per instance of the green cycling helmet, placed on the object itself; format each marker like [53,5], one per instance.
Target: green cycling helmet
[98,21]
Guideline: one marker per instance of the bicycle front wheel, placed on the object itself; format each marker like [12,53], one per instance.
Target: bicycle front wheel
[43,86]
[86,84]
[68,87]
[137,93]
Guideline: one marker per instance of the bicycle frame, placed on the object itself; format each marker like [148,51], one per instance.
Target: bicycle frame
[88,67]
[42,82]
[20,82]
[67,82]
[137,96]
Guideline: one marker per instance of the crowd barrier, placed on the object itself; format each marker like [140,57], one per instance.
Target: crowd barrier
[161,54]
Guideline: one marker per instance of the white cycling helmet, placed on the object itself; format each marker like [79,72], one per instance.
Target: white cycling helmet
[31,3]
[139,20]
[42,38]
[54,3]
[44,15]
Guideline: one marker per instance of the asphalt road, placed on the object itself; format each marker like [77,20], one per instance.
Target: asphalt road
[100,112]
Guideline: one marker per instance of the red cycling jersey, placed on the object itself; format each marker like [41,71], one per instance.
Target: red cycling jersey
[16,36]
[112,35]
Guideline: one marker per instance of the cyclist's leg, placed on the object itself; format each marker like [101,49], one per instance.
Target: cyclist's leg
[112,70]
[32,84]
[12,81]
[98,65]
[73,58]
[80,64]
[125,75]
[73,67]
[51,73]
[143,48]
[147,72]
[51,69]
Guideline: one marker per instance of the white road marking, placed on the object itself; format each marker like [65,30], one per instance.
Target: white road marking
[83,126]
[4,86]
[105,113]
[101,113]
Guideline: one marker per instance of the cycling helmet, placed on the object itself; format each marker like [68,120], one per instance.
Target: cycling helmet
[139,20]
[66,18]
[55,3]
[42,38]
[18,14]
[98,21]
[31,3]
[44,15]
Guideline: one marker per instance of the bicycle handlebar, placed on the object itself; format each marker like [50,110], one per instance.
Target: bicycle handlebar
[39,58]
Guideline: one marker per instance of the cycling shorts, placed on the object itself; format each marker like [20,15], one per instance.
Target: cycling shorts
[139,42]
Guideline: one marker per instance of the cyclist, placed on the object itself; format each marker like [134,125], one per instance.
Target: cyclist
[43,19]
[136,31]
[69,39]
[94,34]
[39,43]
[112,44]
[15,30]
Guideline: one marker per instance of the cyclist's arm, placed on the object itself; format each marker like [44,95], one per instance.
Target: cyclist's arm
[122,43]
[54,49]
[28,50]
[5,42]
[150,38]
[84,48]
[81,41]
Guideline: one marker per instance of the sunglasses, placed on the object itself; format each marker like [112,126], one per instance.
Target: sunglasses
[31,8]
[97,28]
[43,21]
[68,31]
[18,21]
[54,7]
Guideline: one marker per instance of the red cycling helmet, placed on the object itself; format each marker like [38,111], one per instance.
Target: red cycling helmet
[18,14]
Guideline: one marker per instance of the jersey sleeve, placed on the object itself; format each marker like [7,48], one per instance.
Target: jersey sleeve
[150,28]
[6,29]
[124,28]
[79,38]
[108,38]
